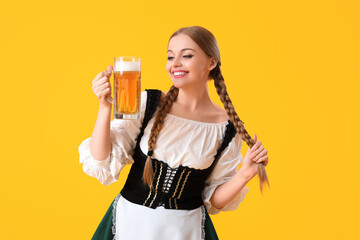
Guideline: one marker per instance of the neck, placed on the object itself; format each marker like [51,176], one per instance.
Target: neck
[193,98]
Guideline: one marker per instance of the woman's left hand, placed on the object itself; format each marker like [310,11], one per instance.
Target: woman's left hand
[254,155]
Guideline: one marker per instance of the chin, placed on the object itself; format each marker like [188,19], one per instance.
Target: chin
[179,84]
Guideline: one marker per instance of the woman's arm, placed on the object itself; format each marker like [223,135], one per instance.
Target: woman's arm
[100,143]
[226,192]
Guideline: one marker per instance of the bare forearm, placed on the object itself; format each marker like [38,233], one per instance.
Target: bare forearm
[100,144]
[224,193]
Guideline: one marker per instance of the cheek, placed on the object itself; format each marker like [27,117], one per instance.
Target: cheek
[203,66]
[198,68]
[168,67]
[192,66]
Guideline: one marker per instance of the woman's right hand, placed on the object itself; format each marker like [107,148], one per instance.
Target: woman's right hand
[102,87]
[255,155]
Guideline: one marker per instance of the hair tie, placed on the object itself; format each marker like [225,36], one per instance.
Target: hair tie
[150,153]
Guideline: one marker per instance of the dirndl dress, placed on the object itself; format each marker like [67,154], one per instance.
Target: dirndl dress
[176,192]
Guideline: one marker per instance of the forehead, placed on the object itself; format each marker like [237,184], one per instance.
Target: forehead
[182,41]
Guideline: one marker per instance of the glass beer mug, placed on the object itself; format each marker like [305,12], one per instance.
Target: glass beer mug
[127,88]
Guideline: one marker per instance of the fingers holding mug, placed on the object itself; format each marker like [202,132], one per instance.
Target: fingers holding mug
[102,87]
[108,72]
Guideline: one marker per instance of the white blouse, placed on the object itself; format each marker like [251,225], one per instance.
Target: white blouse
[180,142]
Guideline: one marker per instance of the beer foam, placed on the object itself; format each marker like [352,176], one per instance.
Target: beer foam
[126,66]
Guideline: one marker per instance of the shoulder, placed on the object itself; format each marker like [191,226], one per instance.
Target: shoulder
[219,113]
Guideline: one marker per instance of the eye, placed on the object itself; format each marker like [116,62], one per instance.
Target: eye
[170,58]
[188,56]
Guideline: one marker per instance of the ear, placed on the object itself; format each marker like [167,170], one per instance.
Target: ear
[213,64]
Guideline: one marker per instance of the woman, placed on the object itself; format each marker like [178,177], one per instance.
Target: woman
[184,151]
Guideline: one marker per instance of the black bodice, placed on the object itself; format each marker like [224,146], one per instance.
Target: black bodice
[173,188]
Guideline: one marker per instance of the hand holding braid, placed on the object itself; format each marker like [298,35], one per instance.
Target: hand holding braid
[234,118]
[165,106]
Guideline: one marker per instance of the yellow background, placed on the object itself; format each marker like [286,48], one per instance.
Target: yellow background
[292,70]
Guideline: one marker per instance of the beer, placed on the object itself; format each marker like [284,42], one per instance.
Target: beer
[127,88]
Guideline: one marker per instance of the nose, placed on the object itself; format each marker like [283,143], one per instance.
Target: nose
[177,62]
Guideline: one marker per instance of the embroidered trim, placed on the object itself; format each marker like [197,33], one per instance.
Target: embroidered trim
[203,218]
[182,188]
[157,185]
[177,185]
[113,228]
[151,186]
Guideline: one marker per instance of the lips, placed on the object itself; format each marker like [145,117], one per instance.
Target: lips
[179,73]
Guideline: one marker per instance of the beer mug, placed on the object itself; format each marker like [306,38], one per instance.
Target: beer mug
[127,88]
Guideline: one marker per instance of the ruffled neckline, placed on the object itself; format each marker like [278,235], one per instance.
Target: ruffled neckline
[197,122]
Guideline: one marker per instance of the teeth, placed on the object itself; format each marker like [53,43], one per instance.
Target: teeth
[179,73]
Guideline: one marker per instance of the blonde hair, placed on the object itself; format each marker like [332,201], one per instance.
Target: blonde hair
[207,42]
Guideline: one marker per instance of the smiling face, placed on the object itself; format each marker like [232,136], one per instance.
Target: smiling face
[187,65]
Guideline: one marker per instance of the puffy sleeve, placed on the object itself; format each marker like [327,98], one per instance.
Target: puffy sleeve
[224,170]
[123,134]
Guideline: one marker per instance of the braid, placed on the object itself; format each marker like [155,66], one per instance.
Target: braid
[165,106]
[234,118]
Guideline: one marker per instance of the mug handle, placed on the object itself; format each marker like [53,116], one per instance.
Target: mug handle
[109,100]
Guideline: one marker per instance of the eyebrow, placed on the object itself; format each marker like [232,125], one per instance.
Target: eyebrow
[184,49]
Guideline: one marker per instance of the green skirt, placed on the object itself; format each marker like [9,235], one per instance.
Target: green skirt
[106,228]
